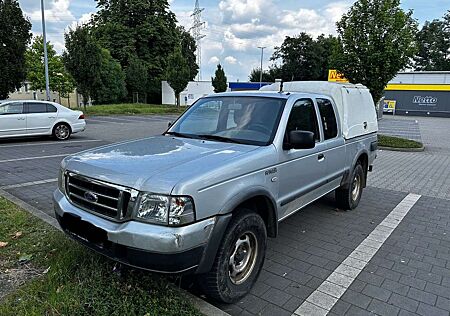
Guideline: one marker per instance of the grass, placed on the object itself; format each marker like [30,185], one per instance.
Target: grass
[133,109]
[397,142]
[78,281]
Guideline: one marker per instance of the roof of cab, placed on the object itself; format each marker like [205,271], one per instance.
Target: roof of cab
[264,94]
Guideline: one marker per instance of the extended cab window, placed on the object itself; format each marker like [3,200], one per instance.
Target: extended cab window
[303,118]
[11,108]
[328,116]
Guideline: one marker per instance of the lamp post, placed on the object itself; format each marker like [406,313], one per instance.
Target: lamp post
[47,85]
[262,56]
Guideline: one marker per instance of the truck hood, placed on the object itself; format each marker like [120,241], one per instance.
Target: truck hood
[134,163]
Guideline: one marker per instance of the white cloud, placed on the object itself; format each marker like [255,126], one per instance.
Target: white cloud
[57,11]
[85,18]
[231,60]
[214,60]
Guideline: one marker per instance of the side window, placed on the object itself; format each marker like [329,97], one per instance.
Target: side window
[303,118]
[32,107]
[51,108]
[328,116]
[11,108]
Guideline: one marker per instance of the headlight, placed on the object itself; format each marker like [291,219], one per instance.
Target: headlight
[165,210]
[153,208]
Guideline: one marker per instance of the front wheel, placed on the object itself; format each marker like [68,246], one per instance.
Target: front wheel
[61,131]
[239,259]
[349,195]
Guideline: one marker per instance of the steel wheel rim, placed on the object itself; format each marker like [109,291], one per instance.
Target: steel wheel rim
[356,185]
[243,258]
[62,132]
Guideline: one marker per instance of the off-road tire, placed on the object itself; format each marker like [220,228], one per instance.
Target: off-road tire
[345,195]
[218,283]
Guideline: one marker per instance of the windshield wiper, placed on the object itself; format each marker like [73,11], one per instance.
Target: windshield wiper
[178,134]
[219,138]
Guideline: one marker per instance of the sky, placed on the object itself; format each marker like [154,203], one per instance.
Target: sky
[234,29]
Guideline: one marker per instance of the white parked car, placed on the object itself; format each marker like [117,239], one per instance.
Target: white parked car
[33,118]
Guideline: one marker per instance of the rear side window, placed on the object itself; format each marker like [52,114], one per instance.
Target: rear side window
[11,108]
[36,107]
[303,118]
[328,116]
[51,108]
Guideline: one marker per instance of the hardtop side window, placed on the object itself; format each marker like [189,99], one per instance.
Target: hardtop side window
[51,108]
[11,108]
[303,118]
[35,107]
[329,122]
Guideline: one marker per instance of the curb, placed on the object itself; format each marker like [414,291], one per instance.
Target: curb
[203,307]
[412,150]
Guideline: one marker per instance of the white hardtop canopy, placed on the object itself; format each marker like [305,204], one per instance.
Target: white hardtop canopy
[353,101]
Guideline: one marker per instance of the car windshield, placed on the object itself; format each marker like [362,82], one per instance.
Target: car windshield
[240,119]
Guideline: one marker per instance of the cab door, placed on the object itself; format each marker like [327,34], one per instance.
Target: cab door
[12,119]
[301,171]
[39,120]
[332,137]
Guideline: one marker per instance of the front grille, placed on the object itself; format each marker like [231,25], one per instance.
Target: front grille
[99,197]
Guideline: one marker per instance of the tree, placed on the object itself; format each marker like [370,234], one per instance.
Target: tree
[65,85]
[142,29]
[376,41]
[433,43]
[137,77]
[304,58]
[59,79]
[178,75]
[270,75]
[188,48]
[83,59]
[14,38]
[219,81]
[109,86]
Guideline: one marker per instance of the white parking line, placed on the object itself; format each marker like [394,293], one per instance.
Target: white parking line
[322,300]
[52,143]
[28,184]
[32,158]
[103,121]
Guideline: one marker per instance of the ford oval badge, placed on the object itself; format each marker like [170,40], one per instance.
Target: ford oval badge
[90,196]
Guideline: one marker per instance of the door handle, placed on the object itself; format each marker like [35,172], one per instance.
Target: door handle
[20,118]
[52,117]
[321,157]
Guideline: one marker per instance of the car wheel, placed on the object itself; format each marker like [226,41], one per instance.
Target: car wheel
[348,197]
[239,259]
[61,131]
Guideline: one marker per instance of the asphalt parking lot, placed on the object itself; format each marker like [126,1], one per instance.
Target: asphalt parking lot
[390,256]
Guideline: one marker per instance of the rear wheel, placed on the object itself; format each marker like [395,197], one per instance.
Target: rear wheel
[61,131]
[239,259]
[349,195]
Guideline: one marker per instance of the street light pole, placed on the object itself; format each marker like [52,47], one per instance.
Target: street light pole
[47,85]
[262,56]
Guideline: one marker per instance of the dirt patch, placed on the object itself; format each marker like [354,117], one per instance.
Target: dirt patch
[12,278]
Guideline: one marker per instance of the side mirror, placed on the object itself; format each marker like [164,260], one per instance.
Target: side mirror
[301,140]
[169,124]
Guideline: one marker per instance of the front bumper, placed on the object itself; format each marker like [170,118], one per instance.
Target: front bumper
[151,247]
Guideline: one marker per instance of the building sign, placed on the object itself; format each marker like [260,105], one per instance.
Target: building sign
[335,76]
[425,100]
[420,102]
[389,106]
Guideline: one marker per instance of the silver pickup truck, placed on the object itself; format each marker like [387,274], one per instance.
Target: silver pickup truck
[203,197]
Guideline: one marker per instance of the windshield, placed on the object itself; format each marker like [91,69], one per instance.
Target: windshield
[246,120]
